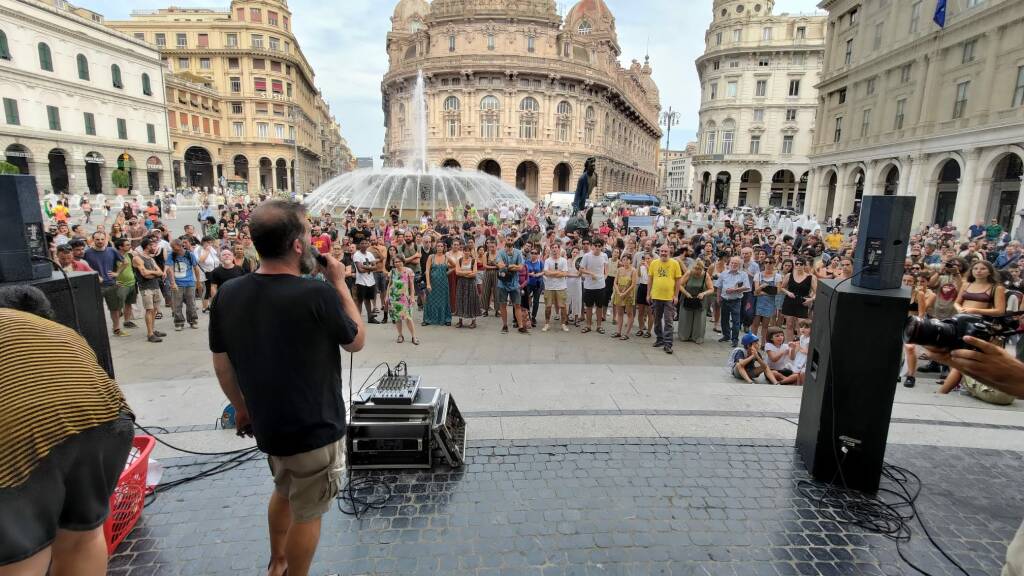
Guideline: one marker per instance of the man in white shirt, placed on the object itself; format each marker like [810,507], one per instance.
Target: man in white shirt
[594,269]
[563,220]
[555,284]
[366,284]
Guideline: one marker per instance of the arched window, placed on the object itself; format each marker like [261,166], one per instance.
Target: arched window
[585,28]
[5,52]
[528,109]
[563,120]
[45,59]
[452,117]
[489,118]
[83,67]
[590,120]
[147,89]
[115,76]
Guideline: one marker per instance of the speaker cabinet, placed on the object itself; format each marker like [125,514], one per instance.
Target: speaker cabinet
[882,237]
[853,362]
[85,293]
[21,230]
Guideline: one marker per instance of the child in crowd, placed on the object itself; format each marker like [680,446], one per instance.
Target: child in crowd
[779,356]
[746,362]
[799,352]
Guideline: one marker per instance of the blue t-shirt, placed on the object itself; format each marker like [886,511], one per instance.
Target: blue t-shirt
[104,262]
[515,259]
[533,268]
[182,267]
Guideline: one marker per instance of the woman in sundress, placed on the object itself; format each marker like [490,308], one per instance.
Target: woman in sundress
[401,296]
[437,310]
[467,301]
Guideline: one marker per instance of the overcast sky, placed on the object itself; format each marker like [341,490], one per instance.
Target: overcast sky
[344,40]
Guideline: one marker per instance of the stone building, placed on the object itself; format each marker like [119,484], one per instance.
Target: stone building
[79,100]
[679,175]
[909,108]
[758,75]
[665,157]
[270,111]
[514,91]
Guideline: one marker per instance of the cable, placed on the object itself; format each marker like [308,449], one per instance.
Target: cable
[71,290]
[173,447]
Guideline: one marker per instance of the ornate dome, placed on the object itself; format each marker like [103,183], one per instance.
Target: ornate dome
[591,17]
[407,10]
[528,9]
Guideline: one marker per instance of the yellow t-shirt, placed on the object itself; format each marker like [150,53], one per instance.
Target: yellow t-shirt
[834,241]
[663,279]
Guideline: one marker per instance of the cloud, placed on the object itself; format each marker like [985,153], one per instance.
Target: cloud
[344,41]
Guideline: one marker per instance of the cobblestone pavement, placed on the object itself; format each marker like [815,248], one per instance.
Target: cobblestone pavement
[600,506]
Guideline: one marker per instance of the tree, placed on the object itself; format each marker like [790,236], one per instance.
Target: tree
[120,178]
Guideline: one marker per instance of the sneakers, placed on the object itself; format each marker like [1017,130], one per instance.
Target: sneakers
[178,328]
[546,328]
[723,339]
[121,333]
[565,328]
[154,338]
[504,329]
[130,324]
[668,349]
[909,382]
[194,326]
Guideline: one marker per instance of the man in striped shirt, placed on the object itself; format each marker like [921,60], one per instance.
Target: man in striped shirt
[65,433]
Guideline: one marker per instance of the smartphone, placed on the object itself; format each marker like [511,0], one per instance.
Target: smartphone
[320,258]
[739,284]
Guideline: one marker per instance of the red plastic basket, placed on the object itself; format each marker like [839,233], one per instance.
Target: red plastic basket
[129,496]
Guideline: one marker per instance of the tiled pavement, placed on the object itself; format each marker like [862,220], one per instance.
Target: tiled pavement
[601,506]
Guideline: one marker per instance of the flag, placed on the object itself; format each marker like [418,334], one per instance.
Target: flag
[940,13]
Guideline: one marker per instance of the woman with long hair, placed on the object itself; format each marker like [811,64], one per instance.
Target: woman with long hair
[693,305]
[574,289]
[717,268]
[799,286]
[437,310]
[624,297]
[766,288]
[982,295]
[644,316]
[402,298]
[454,255]
[467,301]
[921,301]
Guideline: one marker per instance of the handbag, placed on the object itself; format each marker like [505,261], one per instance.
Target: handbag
[692,303]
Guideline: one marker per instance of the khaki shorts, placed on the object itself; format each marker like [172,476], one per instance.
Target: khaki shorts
[114,296]
[151,298]
[555,298]
[310,480]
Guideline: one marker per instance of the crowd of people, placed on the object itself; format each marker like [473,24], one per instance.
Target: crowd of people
[749,280]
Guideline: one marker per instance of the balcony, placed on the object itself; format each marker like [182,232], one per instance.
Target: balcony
[734,157]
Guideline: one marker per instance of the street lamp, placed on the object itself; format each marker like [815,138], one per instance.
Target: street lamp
[669,118]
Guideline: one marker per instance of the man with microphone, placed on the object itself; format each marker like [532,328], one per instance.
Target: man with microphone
[276,340]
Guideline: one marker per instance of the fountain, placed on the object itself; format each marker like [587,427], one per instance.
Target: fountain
[414,190]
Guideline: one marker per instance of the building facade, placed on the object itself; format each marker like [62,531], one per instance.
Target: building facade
[665,157]
[80,100]
[758,99]
[909,108]
[679,175]
[271,116]
[514,91]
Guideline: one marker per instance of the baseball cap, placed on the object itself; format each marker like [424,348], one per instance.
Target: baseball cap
[749,339]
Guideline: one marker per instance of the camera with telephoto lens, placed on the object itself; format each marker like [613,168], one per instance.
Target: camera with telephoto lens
[949,334]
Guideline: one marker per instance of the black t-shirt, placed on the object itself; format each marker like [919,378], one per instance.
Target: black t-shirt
[283,335]
[220,275]
[358,234]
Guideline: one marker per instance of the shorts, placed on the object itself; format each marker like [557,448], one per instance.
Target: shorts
[513,296]
[114,296]
[595,297]
[555,298]
[151,298]
[132,295]
[381,280]
[310,480]
[641,294]
[365,292]
[69,489]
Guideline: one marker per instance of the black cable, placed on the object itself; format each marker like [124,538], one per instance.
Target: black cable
[173,447]
[71,290]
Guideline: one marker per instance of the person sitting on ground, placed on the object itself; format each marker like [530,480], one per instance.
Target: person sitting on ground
[746,362]
[778,355]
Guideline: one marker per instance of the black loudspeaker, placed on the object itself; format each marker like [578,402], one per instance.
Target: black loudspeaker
[882,237]
[21,230]
[86,296]
[853,362]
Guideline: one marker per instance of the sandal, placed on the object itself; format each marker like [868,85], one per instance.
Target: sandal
[473,325]
[647,334]
[616,335]
[415,342]
[624,337]
[600,330]
[639,333]
[400,340]
[585,330]
[159,315]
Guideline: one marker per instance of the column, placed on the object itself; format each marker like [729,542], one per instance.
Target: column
[870,173]
[911,186]
[733,198]
[970,192]
[77,181]
[765,194]
[927,78]
[813,197]
[924,211]
[988,76]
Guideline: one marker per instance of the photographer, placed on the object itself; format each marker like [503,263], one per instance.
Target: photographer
[275,338]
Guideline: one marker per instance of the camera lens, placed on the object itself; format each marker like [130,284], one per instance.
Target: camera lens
[931,332]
